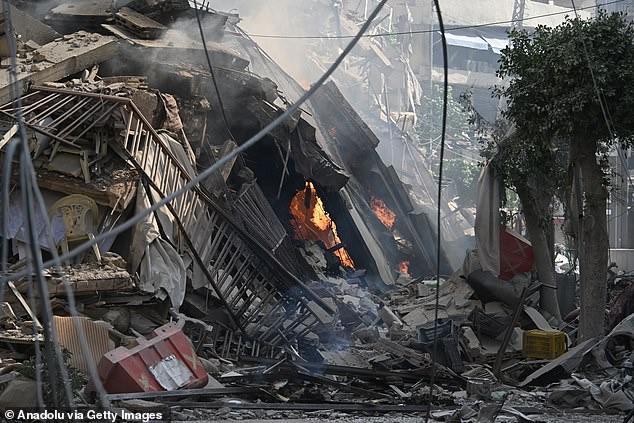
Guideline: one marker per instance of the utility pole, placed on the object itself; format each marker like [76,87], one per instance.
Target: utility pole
[518,14]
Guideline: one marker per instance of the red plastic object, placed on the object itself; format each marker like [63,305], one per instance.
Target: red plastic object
[516,254]
[169,352]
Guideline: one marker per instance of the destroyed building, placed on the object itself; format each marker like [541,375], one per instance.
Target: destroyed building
[298,276]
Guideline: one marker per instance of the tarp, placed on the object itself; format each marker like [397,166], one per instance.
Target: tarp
[17,224]
[487,221]
[161,269]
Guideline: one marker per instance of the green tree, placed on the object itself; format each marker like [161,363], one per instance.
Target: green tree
[534,172]
[429,115]
[573,86]
[464,174]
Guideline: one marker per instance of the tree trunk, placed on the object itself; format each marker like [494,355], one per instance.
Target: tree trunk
[537,214]
[593,243]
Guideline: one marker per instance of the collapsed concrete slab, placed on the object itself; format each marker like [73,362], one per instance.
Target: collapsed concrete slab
[56,60]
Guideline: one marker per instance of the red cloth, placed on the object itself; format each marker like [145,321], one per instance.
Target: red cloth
[516,254]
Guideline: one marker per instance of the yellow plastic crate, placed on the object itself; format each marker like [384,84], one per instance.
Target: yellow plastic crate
[544,344]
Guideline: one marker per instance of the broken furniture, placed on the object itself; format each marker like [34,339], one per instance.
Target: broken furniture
[75,210]
[84,160]
[164,362]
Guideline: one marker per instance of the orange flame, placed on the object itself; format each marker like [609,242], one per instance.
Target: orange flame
[314,223]
[403,267]
[382,212]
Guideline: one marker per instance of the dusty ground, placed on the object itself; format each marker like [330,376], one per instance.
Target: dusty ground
[324,416]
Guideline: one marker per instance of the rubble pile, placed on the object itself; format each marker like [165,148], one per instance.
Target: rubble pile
[297,280]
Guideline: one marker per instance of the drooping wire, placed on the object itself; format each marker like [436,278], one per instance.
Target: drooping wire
[72,307]
[594,80]
[9,153]
[607,117]
[427,31]
[51,346]
[39,391]
[85,246]
[605,110]
[438,214]
[52,349]
[30,187]
[212,73]
[292,108]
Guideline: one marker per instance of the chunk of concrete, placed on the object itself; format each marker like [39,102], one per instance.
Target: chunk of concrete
[472,342]
[19,393]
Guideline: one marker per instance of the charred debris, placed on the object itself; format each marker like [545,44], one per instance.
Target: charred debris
[299,279]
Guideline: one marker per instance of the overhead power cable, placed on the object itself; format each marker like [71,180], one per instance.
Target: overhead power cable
[212,73]
[438,214]
[292,108]
[425,31]
[597,91]
[52,348]
[32,201]
[605,110]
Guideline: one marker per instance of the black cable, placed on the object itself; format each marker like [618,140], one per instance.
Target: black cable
[27,178]
[594,80]
[70,297]
[217,165]
[438,240]
[212,73]
[426,31]
[39,392]
[128,224]
[52,349]
[605,110]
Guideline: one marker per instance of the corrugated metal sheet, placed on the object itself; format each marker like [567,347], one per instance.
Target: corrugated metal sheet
[96,336]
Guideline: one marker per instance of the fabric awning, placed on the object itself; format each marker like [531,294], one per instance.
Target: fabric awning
[467,41]
[497,44]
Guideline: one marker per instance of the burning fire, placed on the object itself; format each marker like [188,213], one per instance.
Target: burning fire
[311,221]
[403,267]
[382,212]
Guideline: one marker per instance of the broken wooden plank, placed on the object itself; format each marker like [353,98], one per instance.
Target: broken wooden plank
[509,331]
[8,135]
[413,356]
[24,305]
[85,280]
[217,183]
[139,24]
[357,372]
[183,393]
[113,194]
